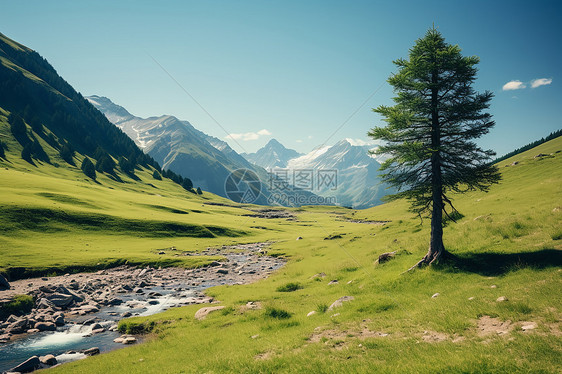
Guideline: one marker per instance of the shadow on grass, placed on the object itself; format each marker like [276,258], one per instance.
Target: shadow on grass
[493,264]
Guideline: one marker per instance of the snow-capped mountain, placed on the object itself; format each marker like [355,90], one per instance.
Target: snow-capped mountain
[180,147]
[272,155]
[355,173]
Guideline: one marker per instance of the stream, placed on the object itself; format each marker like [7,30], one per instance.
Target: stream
[161,289]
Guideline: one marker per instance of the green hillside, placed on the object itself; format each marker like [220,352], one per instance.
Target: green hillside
[439,319]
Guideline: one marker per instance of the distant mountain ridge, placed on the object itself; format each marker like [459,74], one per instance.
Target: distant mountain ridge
[180,147]
[272,155]
[355,173]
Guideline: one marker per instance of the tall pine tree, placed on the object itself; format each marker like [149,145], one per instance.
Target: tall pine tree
[430,131]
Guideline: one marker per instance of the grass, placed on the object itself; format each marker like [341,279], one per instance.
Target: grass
[506,243]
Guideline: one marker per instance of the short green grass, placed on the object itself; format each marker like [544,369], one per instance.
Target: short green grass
[505,244]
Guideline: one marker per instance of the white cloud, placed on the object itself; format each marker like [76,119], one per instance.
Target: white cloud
[540,82]
[513,85]
[298,140]
[264,132]
[246,136]
[361,142]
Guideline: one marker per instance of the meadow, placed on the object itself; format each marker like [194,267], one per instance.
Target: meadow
[444,318]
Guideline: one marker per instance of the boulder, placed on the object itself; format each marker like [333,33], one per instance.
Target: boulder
[44,304]
[386,257]
[203,312]
[45,326]
[28,365]
[92,351]
[129,340]
[4,284]
[18,327]
[59,320]
[48,360]
[339,302]
[60,299]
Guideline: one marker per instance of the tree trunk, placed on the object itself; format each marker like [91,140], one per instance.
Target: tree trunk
[436,247]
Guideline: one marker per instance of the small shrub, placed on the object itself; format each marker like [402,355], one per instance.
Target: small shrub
[289,287]
[226,311]
[322,308]
[277,313]
[156,175]
[20,304]
[135,327]
[557,235]
[88,168]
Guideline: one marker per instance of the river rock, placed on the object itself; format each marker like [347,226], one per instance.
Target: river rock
[28,365]
[4,338]
[59,320]
[45,326]
[203,312]
[339,302]
[48,360]
[18,327]
[4,284]
[92,351]
[60,299]
[44,304]
[129,340]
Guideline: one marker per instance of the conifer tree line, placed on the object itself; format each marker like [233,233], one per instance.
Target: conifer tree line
[66,121]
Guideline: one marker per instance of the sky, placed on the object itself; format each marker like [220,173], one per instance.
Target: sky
[306,73]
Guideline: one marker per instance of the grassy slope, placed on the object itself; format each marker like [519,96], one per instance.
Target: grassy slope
[506,239]
[55,218]
[509,237]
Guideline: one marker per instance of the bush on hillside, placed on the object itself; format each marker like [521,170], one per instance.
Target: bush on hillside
[88,168]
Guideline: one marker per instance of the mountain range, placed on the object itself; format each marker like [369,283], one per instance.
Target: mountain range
[344,172]
[208,161]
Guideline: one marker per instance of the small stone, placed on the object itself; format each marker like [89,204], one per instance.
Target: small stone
[339,302]
[118,340]
[493,286]
[299,238]
[311,313]
[203,312]
[255,336]
[129,340]
[435,295]
[501,299]
[222,271]
[335,281]
[529,326]
[471,298]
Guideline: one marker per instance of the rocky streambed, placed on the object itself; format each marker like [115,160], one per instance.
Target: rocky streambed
[76,315]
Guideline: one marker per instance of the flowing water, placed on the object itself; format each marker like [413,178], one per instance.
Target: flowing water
[65,343]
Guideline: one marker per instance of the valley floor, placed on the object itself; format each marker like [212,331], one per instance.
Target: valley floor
[495,306]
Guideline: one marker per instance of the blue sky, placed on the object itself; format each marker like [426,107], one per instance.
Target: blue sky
[294,70]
